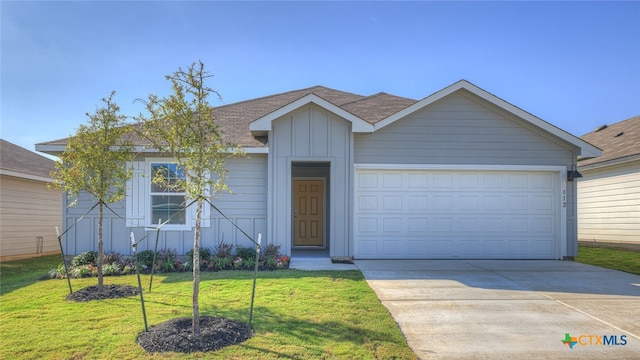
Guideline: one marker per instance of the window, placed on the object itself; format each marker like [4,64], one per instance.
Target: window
[168,200]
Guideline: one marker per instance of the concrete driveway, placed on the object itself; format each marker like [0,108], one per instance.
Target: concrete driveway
[503,309]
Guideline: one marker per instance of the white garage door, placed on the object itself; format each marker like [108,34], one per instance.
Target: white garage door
[430,214]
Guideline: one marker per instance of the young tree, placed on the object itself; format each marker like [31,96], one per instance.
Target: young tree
[183,126]
[94,161]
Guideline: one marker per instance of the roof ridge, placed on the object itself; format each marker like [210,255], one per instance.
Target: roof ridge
[381,93]
[309,90]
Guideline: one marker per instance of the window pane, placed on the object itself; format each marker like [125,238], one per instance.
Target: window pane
[170,174]
[165,206]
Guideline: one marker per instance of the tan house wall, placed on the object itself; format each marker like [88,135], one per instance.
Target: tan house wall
[609,204]
[28,210]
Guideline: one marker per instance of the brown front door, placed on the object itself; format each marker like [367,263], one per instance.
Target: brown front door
[308,212]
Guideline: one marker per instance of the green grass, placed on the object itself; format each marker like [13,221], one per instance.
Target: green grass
[297,315]
[616,259]
[19,273]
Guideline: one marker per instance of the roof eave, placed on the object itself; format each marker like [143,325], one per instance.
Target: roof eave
[26,176]
[611,162]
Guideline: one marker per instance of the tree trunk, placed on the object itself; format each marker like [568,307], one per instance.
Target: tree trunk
[196,269]
[100,284]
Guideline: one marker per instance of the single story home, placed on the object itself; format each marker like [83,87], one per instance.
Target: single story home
[460,174]
[29,210]
[609,191]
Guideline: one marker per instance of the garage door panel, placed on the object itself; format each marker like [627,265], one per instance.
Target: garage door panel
[456,214]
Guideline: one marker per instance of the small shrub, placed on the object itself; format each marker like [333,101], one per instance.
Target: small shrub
[205,255]
[221,263]
[282,262]
[271,263]
[246,253]
[248,264]
[145,259]
[84,271]
[223,250]
[111,258]
[127,270]
[167,260]
[112,269]
[270,251]
[57,273]
[86,258]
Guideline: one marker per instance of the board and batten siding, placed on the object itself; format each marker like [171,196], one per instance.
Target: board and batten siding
[247,206]
[609,204]
[310,134]
[29,210]
[82,234]
[460,130]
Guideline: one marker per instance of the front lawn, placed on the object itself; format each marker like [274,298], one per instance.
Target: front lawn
[298,314]
[616,259]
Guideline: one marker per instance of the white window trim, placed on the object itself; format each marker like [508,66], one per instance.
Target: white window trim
[147,198]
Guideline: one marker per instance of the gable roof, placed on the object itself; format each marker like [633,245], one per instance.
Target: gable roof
[586,149]
[246,122]
[619,142]
[20,162]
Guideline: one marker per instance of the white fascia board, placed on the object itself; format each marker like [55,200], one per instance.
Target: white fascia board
[139,149]
[255,150]
[586,149]
[26,176]
[381,166]
[54,150]
[357,125]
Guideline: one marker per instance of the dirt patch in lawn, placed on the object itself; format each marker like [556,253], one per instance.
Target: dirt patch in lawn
[107,292]
[176,335]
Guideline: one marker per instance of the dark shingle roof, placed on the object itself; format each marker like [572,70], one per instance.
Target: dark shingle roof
[234,119]
[20,160]
[618,141]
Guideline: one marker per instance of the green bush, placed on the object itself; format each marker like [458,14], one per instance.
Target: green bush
[221,263]
[86,258]
[205,257]
[246,253]
[167,260]
[223,250]
[145,259]
[270,251]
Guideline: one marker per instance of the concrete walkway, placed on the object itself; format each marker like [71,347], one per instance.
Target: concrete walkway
[318,263]
[498,309]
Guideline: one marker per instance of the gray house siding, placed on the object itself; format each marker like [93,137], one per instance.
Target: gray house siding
[83,232]
[460,130]
[310,134]
[247,178]
[246,206]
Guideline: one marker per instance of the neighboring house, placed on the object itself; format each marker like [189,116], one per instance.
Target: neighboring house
[29,210]
[609,191]
[459,174]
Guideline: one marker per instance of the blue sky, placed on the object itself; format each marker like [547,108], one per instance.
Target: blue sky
[574,64]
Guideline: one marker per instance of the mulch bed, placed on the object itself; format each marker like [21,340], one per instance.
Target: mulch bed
[176,335]
[108,292]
